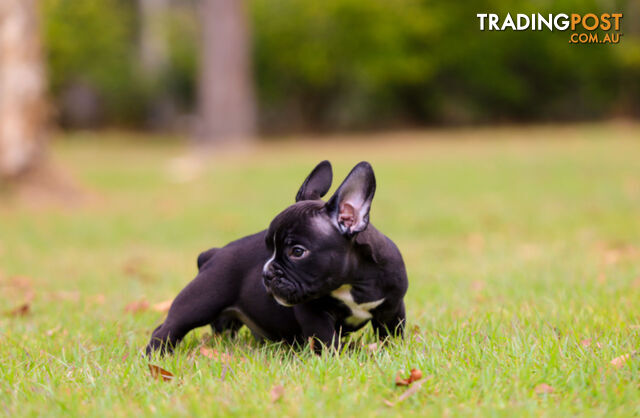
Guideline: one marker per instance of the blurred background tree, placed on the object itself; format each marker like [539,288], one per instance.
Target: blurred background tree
[94,70]
[22,89]
[226,100]
[336,64]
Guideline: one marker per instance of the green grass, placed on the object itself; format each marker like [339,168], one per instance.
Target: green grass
[519,244]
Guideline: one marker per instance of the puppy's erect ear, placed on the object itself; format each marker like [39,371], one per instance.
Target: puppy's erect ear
[349,206]
[317,183]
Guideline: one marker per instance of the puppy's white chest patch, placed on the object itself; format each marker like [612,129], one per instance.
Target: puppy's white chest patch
[359,311]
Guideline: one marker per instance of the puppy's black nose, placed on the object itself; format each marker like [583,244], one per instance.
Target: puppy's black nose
[269,274]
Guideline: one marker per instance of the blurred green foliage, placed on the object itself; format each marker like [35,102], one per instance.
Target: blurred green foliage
[91,42]
[341,64]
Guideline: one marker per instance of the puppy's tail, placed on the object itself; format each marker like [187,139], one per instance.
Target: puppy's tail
[206,256]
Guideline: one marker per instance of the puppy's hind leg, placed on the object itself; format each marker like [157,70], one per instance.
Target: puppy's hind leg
[196,305]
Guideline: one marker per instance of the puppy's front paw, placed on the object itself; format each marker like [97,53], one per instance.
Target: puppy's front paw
[159,342]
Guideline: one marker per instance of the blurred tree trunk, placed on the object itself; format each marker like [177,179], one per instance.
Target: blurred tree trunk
[153,41]
[227,102]
[154,57]
[22,89]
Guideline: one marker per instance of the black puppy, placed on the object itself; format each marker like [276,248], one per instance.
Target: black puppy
[320,270]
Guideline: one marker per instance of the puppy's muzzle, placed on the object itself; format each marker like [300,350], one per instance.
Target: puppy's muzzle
[273,281]
[270,274]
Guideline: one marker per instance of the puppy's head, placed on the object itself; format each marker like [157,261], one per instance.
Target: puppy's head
[311,240]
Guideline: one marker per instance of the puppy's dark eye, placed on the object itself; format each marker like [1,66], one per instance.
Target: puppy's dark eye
[297,252]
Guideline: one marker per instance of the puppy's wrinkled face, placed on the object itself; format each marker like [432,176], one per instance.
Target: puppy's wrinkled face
[308,254]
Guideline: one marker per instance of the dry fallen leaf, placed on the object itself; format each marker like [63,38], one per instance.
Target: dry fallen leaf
[414,376]
[619,362]
[206,351]
[21,310]
[401,381]
[589,343]
[21,282]
[276,393]
[612,253]
[544,388]
[17,289]
[215,354]
[163,306]
[137,306]
[413,389]
[160,374]
[409,392]
[72,296]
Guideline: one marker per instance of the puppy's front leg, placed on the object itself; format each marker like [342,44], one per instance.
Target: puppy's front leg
[318,324]
[390,322]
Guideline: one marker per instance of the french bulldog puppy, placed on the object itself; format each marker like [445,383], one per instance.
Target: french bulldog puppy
[321,270]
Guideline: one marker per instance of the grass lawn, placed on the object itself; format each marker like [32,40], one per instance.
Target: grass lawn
[522,247]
